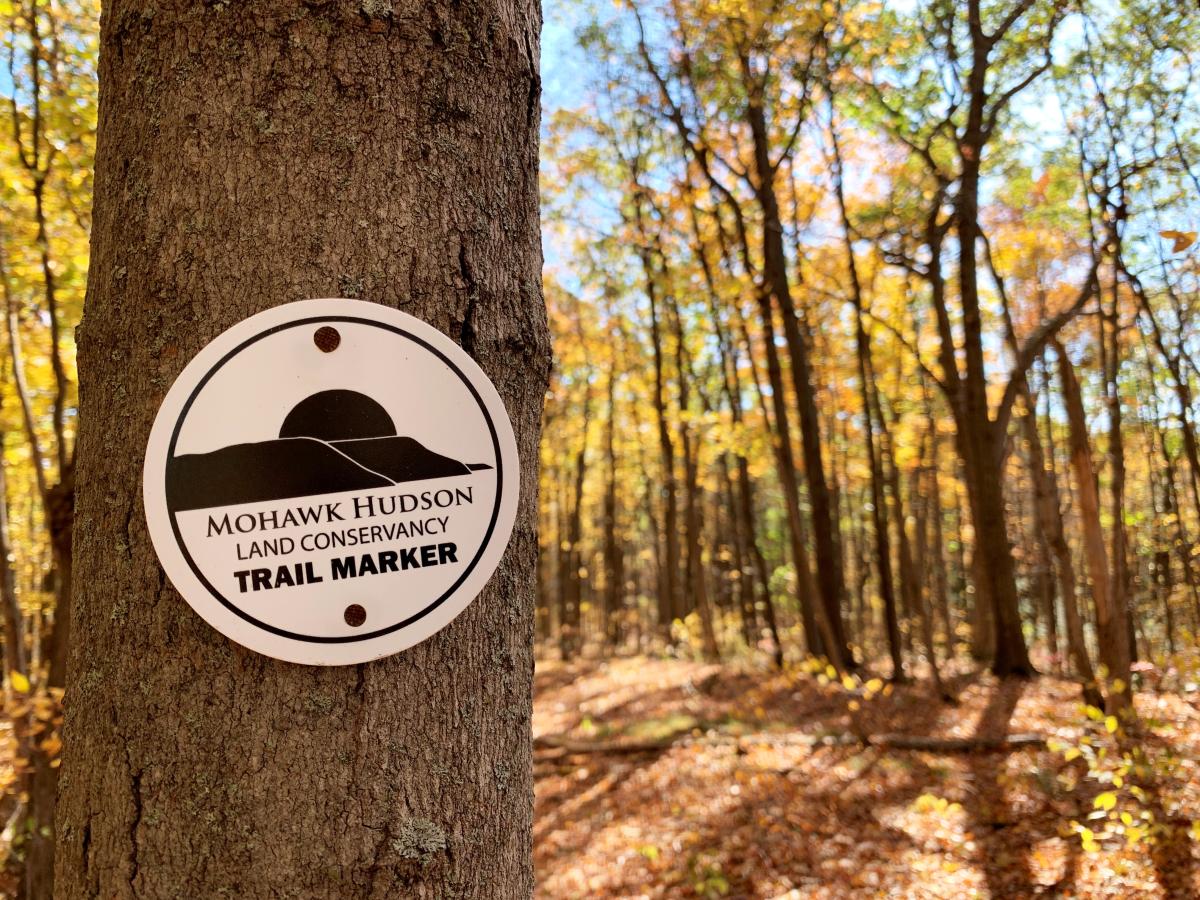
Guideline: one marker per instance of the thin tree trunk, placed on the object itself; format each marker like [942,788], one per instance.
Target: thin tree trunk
[614,559]
[735,575]
[1048,508]
[671,603]
[650,516]
[816,628]
[693,526]
[15,656]
[909,586]
[1183,546]
[1110,620]
[570,632]
[756,581]
[941,585]
[1159,562]
[920,500]
[829,572]
[871,415]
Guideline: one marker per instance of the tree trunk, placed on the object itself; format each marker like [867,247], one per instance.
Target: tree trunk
[1110,620]
[985,487]
[248,155]
[1048,509]
[698,598]
[614,557]
[14,636]
[650,517]
[1183,546]
[829,572]
[1159,561]
[871,414]
[735,584]
[757,579]
[940,583]
[670,600]
[570,629]
[817,632]
[762,576]
[920,501]
[979,437]
[1110,364]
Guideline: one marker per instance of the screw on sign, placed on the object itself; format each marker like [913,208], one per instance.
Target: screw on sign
[327,339]
[330,507]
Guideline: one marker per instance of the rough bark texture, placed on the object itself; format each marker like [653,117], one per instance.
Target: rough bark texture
[251,154]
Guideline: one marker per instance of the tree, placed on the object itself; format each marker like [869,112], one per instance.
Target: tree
[49,93]
[871,414]
[1111,630]
[759,41]
[972,63]
[251,154]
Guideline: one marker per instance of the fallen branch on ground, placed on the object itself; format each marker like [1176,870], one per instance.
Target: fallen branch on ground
[953,745]
[552,747]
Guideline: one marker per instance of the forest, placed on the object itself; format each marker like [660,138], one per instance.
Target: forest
[869,476]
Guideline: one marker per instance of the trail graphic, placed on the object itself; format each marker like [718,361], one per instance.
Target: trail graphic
[332,441]
[331,481]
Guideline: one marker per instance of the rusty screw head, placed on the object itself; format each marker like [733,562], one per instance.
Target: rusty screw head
[355,615]
[327,339]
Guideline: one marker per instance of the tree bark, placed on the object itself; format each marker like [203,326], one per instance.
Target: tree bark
[570,627]
[1048,508]
[817,632]
[1110,621]
[981,439]
[698,598]
[829,572]
[251,154]
[614,553]
[15,657]
[670,600]
[939,586]
[871,414]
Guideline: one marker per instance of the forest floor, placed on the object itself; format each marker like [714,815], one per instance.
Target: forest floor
[661,778]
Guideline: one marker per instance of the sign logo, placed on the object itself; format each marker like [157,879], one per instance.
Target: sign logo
[330,482]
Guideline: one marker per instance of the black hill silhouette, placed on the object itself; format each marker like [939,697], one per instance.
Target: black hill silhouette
[400,458]
[329,442]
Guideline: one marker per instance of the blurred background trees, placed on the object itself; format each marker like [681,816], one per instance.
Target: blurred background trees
[874,328]
[48,82]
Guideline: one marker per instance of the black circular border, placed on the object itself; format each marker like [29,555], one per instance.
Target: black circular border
[348,639]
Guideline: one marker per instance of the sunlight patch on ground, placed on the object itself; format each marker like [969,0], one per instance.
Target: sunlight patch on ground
[743,799]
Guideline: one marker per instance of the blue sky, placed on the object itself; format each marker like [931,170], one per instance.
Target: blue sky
[562,60]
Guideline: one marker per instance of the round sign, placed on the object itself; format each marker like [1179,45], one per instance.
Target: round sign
[330,481]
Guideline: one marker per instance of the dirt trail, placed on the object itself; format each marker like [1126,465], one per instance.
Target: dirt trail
[741,798]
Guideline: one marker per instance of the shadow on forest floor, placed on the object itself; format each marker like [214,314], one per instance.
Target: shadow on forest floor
[735,795]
